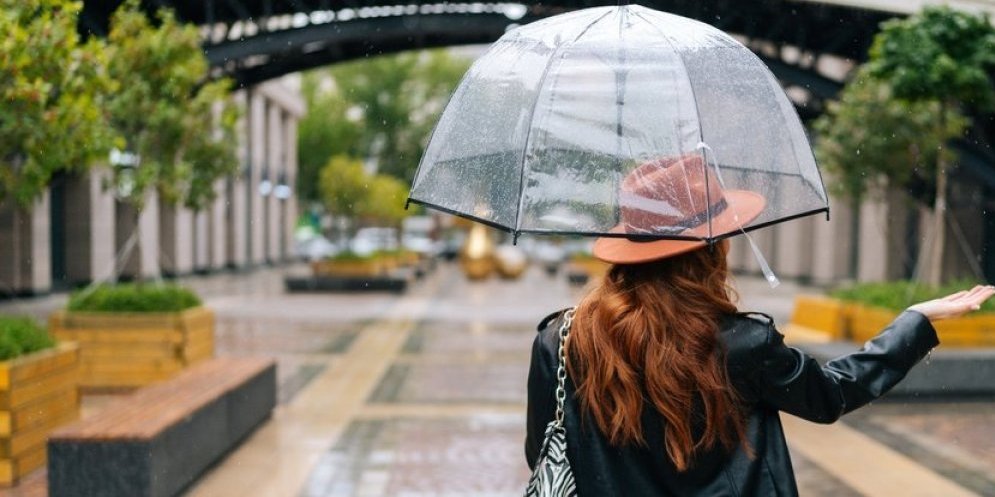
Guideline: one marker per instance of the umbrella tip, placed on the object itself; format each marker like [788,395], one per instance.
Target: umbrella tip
[514,238]
[407,203]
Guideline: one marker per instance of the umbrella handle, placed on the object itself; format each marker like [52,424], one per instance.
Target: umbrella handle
[765,268]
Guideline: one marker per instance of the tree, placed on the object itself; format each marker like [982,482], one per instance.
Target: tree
[177,123]
[344,185]
[348,190]
[384,202]
[940,56]
[868,139]
[326,131]
[380,110]
[51,86]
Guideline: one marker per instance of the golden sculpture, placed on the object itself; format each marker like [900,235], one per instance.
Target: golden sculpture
[477,254]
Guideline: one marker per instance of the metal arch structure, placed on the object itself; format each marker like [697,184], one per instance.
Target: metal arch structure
[256,40]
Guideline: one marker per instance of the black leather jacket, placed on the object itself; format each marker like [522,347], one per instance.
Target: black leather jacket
[768,375]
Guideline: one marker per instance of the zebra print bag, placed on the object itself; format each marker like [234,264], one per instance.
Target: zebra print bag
[552,476]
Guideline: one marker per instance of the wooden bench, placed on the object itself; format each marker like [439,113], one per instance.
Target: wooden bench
[158,440]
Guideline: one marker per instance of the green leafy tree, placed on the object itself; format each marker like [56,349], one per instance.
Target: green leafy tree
[384,202]
[381,109]
[940,56]
[344,186]
[348,190]
[51,86]
[178,124]
[868,139]
[327,130]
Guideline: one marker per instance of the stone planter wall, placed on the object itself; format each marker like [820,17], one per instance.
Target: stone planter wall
[38,393]
[129,350]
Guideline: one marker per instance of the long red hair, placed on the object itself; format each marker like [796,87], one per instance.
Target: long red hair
[649,332]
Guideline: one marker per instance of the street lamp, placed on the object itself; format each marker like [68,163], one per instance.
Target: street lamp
[265,185]
[124,163]
[282,190]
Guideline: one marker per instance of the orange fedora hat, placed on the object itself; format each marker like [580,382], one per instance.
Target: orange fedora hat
[672,196]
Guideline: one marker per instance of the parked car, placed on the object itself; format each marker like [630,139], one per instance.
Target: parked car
[317,248]
[370,240]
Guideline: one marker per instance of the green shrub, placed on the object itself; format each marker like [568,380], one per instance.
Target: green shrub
[897,295]
[21,335]
[134,298]
[349,256]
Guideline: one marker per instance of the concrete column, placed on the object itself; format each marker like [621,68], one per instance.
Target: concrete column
[201,241]
[217,227]
[290,207]
[275,158]
[25,248]
[872,261]
[236,196]
[143,261]
[831,245]
[257,161]
[89,231]
[176,237]
[794,249]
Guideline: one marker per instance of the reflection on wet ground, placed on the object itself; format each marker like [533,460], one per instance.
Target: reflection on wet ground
[437,382]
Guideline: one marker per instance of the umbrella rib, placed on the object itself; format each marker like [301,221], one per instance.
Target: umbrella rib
[697,111]
[535,103]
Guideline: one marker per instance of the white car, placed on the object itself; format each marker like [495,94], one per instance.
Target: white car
[370,240]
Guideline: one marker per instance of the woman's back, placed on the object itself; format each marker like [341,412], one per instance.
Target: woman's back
[767,377]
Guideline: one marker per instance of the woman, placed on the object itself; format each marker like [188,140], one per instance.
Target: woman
[671,391]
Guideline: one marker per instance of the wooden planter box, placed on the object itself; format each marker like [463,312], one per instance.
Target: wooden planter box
[349,269]
[584,269]
[819,317]
[38,393]
[866,322]
[129,350]
[836,320]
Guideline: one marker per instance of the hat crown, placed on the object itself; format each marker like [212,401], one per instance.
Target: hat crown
[668,196]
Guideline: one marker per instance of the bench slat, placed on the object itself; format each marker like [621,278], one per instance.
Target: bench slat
[155,408]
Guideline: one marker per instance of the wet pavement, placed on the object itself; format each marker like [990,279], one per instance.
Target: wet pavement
[422,394]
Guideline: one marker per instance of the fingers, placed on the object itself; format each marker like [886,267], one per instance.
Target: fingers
[975,299]
[954,296]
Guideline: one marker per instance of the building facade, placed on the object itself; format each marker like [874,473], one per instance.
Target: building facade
[78,232]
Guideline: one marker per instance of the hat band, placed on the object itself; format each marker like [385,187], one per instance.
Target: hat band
[681,226]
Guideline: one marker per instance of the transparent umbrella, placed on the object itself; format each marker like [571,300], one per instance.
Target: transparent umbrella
[620,121]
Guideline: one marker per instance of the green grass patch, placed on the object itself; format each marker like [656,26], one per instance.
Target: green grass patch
[22,335]
[898,295]
[134,298]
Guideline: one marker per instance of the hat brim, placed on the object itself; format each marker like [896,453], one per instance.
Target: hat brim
[743,207]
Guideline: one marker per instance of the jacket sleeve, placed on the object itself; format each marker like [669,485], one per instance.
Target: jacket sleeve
[541,400]
[794,382]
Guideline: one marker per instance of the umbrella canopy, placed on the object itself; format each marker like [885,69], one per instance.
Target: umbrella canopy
[620,121]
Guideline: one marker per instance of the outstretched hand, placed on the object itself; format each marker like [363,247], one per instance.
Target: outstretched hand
[954,305]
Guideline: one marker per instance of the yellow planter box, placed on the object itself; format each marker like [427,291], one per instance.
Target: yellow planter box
[128,350]
[866,322]
[976,330]
[815,315]
[38,393]
[349,269]
[594,269]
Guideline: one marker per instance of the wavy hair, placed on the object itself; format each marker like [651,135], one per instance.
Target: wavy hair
[649,333]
